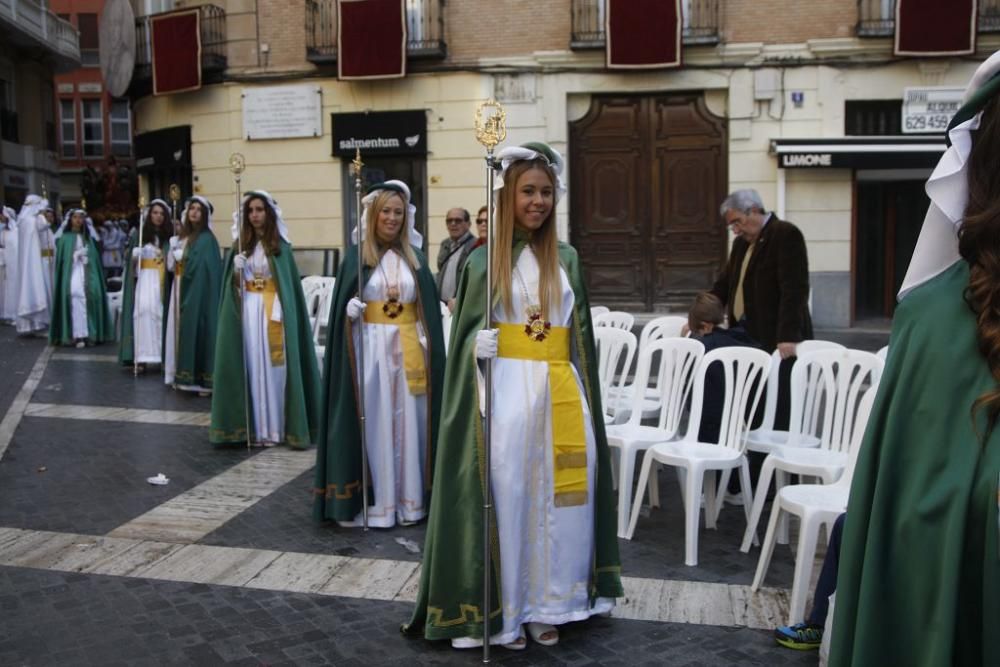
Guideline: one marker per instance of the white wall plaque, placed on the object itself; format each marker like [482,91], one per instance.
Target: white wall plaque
[929,108]
[281,112]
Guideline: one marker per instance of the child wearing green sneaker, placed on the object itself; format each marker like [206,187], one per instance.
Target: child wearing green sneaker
[809,635]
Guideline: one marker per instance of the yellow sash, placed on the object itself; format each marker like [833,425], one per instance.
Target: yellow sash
[569,440]
[47,252]
[154,264]
[413,353]
[275,330]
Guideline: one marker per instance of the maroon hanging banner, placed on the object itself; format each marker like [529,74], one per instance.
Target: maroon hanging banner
[935,28]
[176,40]
[371,39]
[643,34]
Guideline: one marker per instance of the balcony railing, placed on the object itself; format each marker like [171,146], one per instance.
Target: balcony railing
[877,18]
[700,17]
[424,29]
[29,23]
[213,43]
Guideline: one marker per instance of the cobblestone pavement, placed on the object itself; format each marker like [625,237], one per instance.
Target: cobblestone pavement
[87,477]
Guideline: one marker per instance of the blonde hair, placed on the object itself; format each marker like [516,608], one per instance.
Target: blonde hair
[544,242]
[374,248]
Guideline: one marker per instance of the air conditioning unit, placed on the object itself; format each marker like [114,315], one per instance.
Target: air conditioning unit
[766,84]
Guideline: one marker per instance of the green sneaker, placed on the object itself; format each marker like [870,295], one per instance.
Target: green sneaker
[802,637]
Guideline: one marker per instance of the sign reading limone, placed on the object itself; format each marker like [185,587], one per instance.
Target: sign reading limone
[929,109]
[282,112]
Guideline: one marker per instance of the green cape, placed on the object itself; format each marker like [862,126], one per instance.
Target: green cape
[200,291]
[451,591]
[338,457]
[126,344]
[99,326]
[919,578]
[302,378]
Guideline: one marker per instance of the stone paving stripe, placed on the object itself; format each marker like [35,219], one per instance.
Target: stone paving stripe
[659,600]
[188,517]
[20,402]
[131,415]
[69,356]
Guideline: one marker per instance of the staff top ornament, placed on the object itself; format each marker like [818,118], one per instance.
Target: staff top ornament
[491,123]
[237,163]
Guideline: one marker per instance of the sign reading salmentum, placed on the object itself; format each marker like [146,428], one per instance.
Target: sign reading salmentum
[379,133]
[282,112]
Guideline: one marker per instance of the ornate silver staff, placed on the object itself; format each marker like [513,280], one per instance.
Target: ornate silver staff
[356,165]
[490,131]
[175,196]
[237,163]
[138,270]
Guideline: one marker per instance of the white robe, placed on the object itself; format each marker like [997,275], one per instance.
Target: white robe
[34,301]
[173,316]
[78,290]
[267,382]
[8,274]
[546,552]
[147,313]
[395,419]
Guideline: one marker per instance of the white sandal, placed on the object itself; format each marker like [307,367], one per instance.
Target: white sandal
[536,630]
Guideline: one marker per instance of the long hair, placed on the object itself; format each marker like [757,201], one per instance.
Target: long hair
[979,245]
[157,235]
[271,240]
[544,242]
[190,231]
[374,249]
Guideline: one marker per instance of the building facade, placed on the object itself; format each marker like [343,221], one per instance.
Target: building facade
[94,137]
[36,45]
[802,101]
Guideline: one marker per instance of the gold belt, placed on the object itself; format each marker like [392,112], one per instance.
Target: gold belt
[388,312]
[275,330]
[151,264]
[47,252]
[569,438]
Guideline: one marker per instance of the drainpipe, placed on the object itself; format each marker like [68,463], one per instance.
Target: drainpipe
[779,203]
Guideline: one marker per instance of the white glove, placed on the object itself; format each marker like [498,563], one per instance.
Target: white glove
[84,260]
[79,254]
[486,343]
[239,262]
[355,308]
[178,254]
[173,241]
[136,253]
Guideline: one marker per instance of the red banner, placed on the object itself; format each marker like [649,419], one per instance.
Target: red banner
[371,39]
[935,28]
[176,39]
[643,34]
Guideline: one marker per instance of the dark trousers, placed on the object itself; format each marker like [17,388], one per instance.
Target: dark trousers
[826,585]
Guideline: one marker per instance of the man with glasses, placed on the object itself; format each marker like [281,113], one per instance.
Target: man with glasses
[454,251]
[765,285]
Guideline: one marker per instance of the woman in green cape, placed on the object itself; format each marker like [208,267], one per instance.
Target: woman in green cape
[144,289]
[193,312]
[79,300]
[268,333]
[403,364]
[555,551]
[919,576]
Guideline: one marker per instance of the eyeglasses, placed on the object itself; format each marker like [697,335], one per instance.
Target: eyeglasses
[481,221]
[454,221]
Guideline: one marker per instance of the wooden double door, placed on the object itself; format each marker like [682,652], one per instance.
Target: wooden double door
[647,175]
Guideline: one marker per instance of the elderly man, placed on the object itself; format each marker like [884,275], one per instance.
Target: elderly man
[765,285]
[454,251]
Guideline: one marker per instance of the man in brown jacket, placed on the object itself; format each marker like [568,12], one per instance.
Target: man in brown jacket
[765,285]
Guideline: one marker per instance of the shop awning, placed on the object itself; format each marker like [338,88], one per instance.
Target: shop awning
[898,152]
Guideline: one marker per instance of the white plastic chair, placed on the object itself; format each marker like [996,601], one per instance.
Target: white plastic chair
[615,352]
[765,438]
[843,377]
[598,310]
[744,370]
[115,310]
[616,318]
[675,361]
[883,353]
[323,310]
[815,505]
[668,326]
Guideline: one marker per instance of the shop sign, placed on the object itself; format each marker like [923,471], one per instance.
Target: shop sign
[929,109]
[379,133]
